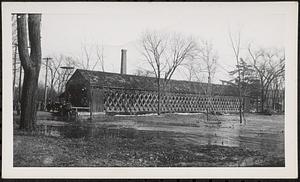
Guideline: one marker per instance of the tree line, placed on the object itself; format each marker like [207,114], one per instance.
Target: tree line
[258,73]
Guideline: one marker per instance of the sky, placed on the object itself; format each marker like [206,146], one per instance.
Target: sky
[119,26]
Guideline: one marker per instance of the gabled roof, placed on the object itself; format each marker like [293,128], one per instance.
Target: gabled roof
[115,80]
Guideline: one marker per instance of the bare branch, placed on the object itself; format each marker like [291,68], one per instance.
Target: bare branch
[100,57]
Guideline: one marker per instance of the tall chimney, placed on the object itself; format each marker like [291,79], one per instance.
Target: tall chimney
[123,61]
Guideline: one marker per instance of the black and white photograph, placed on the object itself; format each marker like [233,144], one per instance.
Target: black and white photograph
[157,86]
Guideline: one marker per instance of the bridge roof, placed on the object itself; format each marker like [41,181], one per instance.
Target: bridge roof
[126,81]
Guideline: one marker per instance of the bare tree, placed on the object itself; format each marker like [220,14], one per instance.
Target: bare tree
[246,79]
[86,56]
[208,57]
[154,47]
[276,95]
[91,56]
[31,62]
[236,45]
[203,66]
[269,65]
[63,75]
[100,57]
[181,49]
[190,68]
[53,67]
[58,76]
[165,53]
[194,71]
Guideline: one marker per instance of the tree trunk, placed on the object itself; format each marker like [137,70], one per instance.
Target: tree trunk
[28,101]
[262,100]
[240,110]
[266,98]
[257,107]
[158,93]
[31,65]
[240,99]
[51,91]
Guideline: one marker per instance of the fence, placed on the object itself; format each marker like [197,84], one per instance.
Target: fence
[141,101]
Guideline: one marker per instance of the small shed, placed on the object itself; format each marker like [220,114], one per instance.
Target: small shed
[123,93]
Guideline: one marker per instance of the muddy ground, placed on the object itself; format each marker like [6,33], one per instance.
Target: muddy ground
[145,141]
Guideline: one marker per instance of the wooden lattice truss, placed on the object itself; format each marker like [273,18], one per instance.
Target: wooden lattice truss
[136,101]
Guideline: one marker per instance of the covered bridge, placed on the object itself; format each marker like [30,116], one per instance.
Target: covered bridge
[122,93]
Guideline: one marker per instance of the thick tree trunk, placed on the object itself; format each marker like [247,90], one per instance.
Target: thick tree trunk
[28,102]
[31,64]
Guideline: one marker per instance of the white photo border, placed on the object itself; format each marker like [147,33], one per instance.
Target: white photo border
[290,9]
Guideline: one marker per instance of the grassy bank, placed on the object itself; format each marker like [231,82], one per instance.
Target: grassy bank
[144,149]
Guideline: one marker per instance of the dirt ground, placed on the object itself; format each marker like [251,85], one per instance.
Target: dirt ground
[150,140]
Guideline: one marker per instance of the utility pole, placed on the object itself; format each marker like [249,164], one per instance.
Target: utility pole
[45,94]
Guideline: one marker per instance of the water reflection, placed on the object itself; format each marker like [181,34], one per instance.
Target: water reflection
[208,134]
[230,134]
[79,131]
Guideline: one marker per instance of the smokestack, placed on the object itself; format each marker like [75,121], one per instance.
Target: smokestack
[123,61]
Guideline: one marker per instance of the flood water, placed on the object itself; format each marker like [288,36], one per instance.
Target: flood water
[265,135]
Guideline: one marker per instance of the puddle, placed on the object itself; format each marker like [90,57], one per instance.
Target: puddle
[79,131]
